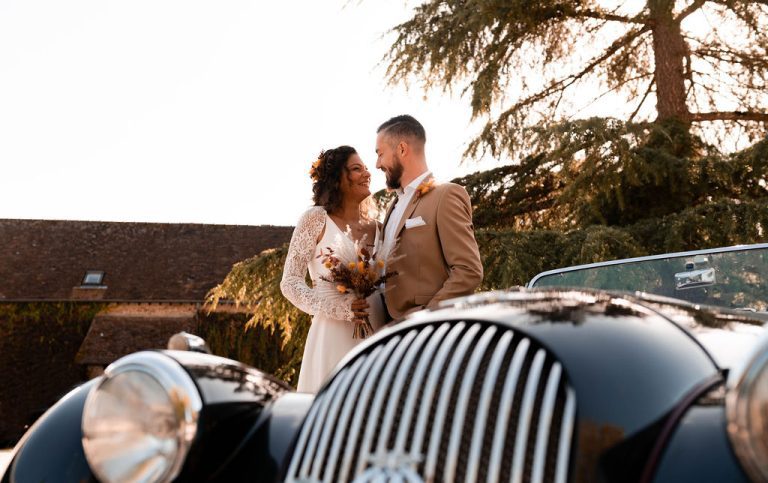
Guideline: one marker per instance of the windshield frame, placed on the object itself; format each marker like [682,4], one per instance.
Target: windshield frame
[536,278]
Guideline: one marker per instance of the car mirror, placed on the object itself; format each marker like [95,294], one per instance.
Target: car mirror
[695,278]
[184,341]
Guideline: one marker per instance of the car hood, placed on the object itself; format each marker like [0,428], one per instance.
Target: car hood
[729,345]
[729,336]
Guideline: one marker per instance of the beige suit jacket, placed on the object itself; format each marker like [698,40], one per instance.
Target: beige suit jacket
[438,260]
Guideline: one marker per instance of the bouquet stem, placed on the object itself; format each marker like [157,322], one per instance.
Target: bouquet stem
[362,328]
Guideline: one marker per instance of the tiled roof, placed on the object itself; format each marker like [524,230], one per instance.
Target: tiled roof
[47,260]
[112,337]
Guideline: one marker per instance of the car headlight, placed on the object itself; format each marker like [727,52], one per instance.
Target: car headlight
[746,406]
[140,420]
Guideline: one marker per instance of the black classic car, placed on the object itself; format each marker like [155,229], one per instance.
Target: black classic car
[647,369]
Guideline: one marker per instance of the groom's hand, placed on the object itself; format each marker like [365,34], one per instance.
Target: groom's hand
[360,308]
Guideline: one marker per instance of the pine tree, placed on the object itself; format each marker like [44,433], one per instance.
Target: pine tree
[539,56]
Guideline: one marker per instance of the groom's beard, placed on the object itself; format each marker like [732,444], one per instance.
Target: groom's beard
[395,174]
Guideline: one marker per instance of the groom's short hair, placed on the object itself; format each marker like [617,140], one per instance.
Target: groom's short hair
[404,126]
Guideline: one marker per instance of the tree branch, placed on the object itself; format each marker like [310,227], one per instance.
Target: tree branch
[614,89]
[566,82]
[729,116]
[733,56]
[726,3]
[609,16]
[645,96]
[697,4]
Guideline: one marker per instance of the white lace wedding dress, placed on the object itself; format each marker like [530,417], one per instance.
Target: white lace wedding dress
[330,335]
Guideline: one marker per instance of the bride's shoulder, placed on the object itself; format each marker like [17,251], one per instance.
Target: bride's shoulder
[313,214]
[312,219]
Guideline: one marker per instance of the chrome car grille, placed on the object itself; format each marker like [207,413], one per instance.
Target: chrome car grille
[446,402]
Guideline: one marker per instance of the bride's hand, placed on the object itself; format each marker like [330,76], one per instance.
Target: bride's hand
[360,308]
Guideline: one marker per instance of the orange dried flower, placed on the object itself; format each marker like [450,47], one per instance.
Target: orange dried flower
[354,272]
[425,187]
[313,170]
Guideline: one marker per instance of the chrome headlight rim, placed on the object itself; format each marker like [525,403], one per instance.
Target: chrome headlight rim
[174,380]
[739,400]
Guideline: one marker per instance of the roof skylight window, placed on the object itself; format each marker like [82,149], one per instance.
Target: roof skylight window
[93,277]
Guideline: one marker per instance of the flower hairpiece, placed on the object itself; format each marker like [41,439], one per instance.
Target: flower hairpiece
[313,171]
[425,187]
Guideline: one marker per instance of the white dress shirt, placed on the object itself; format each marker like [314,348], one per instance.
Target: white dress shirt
[404,196]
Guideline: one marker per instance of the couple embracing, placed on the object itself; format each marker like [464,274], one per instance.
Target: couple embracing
[435,256]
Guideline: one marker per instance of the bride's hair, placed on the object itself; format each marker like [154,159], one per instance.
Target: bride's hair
[326,175]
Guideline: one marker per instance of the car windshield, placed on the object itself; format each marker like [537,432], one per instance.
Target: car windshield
[727,277]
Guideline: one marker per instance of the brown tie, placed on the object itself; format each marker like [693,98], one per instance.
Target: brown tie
[389,213]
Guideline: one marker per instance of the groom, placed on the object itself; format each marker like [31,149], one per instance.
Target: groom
[436,256]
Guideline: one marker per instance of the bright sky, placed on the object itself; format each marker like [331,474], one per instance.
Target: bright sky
[197,111]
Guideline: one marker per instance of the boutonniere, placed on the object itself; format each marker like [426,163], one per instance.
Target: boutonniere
[425,187]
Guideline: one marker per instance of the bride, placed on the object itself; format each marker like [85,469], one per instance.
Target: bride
[341,191]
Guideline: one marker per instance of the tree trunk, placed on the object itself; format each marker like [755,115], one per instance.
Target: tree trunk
[669,53]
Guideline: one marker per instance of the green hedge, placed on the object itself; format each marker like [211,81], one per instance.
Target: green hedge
[263,347]
[38,344]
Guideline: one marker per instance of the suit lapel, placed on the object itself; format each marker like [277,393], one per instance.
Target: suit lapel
[415,198]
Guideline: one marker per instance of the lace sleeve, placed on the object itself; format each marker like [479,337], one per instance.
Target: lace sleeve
[300,252]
